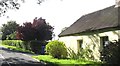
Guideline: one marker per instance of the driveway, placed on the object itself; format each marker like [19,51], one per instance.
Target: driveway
[13,58]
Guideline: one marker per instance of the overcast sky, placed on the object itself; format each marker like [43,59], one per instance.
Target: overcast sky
[59,13]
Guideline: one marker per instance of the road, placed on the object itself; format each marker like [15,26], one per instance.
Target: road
[13,58]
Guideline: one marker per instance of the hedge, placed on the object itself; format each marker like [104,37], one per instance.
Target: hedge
[34,46]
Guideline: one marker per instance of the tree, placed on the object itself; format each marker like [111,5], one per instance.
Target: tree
[38,30]
[64,29]
[8,29]
[5,5]
[11,36]
[26,32]
[12,4]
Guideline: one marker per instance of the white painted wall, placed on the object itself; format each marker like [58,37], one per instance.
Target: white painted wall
[93,40]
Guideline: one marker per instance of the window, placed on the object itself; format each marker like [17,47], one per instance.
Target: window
[79,43]
[103,42]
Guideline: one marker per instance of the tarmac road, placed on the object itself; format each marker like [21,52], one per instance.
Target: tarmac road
[13,58]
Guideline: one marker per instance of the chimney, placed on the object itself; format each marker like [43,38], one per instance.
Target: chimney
[117,4]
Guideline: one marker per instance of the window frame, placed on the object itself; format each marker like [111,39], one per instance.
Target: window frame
[79,44]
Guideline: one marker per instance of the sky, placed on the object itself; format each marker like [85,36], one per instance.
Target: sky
[58,13]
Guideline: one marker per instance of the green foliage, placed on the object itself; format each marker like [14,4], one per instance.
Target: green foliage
[86,53]
[11,36]
[17,49]
[8,29]
[81,54]
[16,45]
[34,46]
[66,62]
[57,49]
[111,53]
[7,42]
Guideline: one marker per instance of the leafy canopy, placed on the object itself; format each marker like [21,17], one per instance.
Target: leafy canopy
[8,28]
[38,30]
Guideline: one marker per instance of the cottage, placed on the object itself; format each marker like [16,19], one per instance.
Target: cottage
[94,30]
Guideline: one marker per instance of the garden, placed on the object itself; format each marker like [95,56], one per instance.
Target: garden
[56,53]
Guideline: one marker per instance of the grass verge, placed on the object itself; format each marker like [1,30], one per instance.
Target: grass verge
[61,62]
[17,49]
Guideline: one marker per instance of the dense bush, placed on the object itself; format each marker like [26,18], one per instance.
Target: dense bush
[36,46]
[57,49]
[111,53]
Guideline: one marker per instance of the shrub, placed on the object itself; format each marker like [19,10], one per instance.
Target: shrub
[57,49]
[111,53]
[35,46]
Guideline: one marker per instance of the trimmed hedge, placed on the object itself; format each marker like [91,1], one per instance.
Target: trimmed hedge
[17,43]
[34,46]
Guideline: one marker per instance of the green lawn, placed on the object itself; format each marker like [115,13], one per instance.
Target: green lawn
[50,59]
